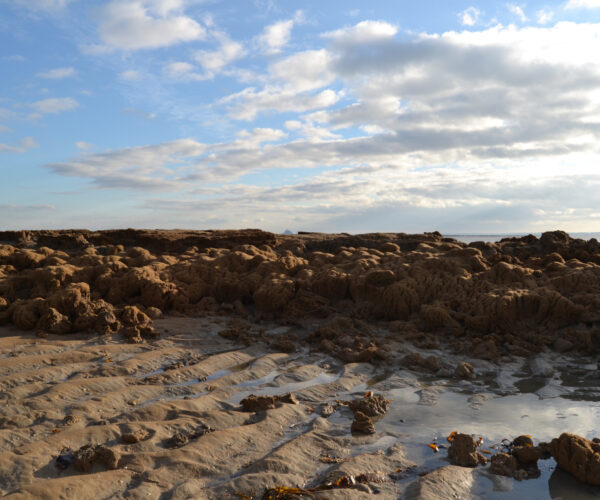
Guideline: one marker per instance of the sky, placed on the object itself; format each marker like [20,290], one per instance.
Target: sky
[337,116]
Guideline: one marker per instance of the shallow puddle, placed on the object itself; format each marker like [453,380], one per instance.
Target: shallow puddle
[428,414]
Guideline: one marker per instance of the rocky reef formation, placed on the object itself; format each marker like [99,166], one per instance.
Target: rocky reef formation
[516,296]
[579,456]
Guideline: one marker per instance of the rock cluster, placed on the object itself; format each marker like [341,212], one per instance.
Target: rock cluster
[481,294]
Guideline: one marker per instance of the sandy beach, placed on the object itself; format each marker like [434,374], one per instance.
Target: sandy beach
[244,364]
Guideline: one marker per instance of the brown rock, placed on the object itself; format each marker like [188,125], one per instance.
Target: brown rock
[54,322]
[463,451]
[71,419]
[526,454]
[258,403]
[579,456]
[503,464]
[362,424]
[327,410]
[288,398]
[88,455]
[562,345]
[464,370]
[371,405]
[135,436]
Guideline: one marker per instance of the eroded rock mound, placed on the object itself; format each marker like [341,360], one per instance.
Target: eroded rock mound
[578,456]
[489,293]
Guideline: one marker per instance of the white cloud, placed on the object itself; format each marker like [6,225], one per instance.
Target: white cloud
[182,71]
[9,207]
[44,5]
[215,61]
[544,16]
[156,167]
[517,11]
[491,125]
[84,146]
[54,105]
[131,75]
[14,57]
[470,16]
[277,35]
[146,24]
[57,73]
[583,4]
[25,144]
[246,104]
[364,32]
[139,113]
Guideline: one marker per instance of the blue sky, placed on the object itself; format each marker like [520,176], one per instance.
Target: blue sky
[329,116]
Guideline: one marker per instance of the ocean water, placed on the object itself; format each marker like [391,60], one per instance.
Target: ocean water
[468,238]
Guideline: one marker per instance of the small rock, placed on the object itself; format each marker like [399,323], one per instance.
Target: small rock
[65,459]
[154,312]
[362,424]
[464,370]
[463,451]
[258,403]
[327,410]
[523,440]
[526,454]
[178,440]
[503,464]
[135,436]
[562,345]
[71,419]
[288,398]
[540,367]
[372,405]
[88,455]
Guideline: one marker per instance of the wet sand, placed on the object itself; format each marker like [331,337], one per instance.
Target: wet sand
[65,392]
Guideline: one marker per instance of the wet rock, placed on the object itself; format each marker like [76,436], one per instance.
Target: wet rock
[181,438]
[154,312]
[464,370]
[65,459]
[362,424]
[540,367]
[371,405]
[261,403]
[178,440]
[71,419]
[463,451]
[485,349]
[88,455]
[257,403]
[135,436]
[526,455]
[503,464]
[523,440]
[579,456]
[54,322]
[327,410]
[288,399]
[562,345]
